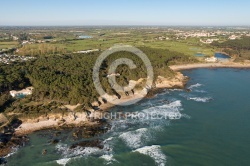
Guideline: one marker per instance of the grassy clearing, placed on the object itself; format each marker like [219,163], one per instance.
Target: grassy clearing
[190,46]
[8,45]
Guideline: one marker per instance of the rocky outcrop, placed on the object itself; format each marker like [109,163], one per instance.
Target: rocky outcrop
[3,119]
[178,81]
[90,120]
[8,139]
[91,131]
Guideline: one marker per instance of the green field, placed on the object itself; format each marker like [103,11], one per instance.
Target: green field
[188,47]
[8,45]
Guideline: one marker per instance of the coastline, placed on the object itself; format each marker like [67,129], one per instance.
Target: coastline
[210,65]
[81,119]
[178,81]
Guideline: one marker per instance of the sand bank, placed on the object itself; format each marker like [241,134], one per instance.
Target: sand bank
[210,65]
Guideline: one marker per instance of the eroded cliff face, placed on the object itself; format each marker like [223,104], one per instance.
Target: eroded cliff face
[87,117]
[178,81]
[91,117]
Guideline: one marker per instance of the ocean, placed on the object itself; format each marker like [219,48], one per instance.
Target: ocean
[212,129]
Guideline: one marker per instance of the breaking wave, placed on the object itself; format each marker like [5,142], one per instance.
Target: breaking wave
[161,110]
[201,99]
[63,161]
[149,117]
[109,159]
[194,86]
[135,139]
[200,91]
[195,98]
[78,151]
[154,152]
[13,151]
[134,133]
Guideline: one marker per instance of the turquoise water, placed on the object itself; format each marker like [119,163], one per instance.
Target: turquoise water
[217,55]
[213,130]
[20,96]
[222,56]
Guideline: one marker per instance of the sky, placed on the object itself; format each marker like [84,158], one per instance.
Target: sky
[125,12]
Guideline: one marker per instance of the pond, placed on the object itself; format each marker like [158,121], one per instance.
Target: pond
[222,56]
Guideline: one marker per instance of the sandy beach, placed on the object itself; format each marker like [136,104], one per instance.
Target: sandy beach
[81,118]
[72,119]
[78,119]
[210,65]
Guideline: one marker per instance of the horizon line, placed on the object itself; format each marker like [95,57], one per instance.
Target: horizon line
[117,25]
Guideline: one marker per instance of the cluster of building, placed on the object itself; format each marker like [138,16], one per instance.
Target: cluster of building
[206,35]
[162,38]
[233,37]
[7,59]
[210,33]
[208,41]
[33,41]
[209,36]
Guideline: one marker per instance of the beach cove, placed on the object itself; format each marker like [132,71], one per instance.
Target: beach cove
[204,120]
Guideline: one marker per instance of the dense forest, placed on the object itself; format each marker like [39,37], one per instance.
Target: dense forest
[243,43]
[11,77]
[239,47]
[67,79]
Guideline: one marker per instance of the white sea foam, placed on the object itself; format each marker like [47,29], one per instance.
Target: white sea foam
[175,89]
[173,107]
[78,151]
[197,99]
[108,139]
[155,152]
[194,86]
[13,151]
[154,118]
[150,117]
[63,161]
[186,116]
[109,159]
[201,99]
[200,91]
[123,124]
[135,139]
[147,104]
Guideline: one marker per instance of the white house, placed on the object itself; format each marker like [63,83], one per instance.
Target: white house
[113,74]
[211,59]
[23,92]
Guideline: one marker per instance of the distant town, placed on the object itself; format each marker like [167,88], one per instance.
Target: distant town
[37,41]
[7,58]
